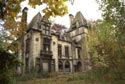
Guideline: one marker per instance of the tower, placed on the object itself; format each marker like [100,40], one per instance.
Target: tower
[78,33]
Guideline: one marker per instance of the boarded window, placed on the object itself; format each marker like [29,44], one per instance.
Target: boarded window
[45,67]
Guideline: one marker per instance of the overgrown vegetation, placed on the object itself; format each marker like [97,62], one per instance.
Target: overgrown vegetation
[8,63]
[107,52]
[106,47]
[10,13]
[95,76]
[107,42]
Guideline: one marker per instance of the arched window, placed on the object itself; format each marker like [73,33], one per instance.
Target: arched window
[79,66]
[60,66]
[67,66]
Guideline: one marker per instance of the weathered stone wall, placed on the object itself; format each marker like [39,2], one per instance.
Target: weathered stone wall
[63,43]
[77,33]
[54,47]
[36,45]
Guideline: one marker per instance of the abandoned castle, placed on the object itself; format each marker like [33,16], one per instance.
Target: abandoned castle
[62,51]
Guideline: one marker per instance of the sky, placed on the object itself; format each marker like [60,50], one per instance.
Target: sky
[89,9]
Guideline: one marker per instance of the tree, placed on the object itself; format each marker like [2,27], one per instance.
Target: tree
[8,63]
[113,14]
[10,9]
[105,50]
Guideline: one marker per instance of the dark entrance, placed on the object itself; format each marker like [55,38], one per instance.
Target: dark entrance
[79,67]
[60,66]
[67,66]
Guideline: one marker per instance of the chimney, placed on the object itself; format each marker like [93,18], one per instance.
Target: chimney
[71,18]
[24,15]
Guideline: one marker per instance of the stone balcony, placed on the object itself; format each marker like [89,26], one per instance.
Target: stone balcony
[43,52]
[64,57]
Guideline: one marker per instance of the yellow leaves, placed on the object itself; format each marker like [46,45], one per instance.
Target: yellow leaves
[12,8]
[55,7]
[16,29]
[33,3]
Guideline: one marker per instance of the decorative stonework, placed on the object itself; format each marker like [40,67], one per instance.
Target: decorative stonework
[59,51]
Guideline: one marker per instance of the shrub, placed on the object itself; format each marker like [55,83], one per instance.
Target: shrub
[8,63]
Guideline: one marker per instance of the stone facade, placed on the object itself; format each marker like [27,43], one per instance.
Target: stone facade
[47,51]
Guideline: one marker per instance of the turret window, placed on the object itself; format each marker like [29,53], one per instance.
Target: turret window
[77,24]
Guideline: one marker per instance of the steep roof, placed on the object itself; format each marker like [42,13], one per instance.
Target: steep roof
[80,18]
[34,23]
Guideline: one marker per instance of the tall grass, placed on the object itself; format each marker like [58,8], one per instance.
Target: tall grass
[94,76]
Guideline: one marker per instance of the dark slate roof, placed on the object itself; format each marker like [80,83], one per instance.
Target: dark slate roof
[34,24]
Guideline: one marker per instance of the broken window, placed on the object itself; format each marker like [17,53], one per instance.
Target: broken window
[60,66]
[67,51]
[46,44]
[67,66]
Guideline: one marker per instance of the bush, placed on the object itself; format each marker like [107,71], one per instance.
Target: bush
[8,63]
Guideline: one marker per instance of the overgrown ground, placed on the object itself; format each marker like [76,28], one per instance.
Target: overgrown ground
[91,77]
[65,79]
